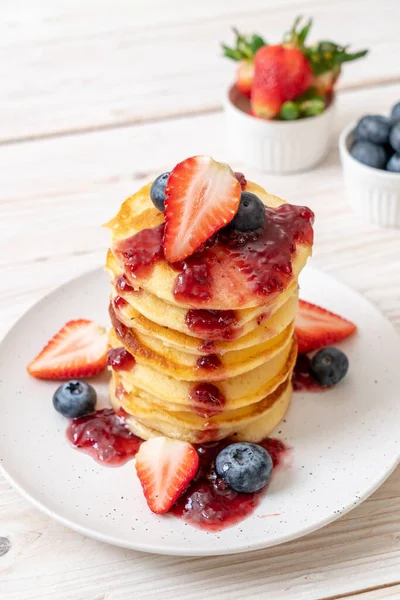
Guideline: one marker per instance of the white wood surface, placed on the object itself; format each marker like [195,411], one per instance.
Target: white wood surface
[133,89]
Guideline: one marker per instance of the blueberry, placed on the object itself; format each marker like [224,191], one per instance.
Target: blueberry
[395,114]
[394,163]
[157,191]
[329,366]
[74,399]
[244,467]
[372,128]
[251,213]
[395,137]
[369,154]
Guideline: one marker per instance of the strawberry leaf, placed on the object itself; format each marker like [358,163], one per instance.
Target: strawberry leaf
[245,48]
[326,56]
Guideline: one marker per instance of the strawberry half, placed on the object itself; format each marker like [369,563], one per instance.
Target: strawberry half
[165,468]
[79,349]
[316,327]
[202,196]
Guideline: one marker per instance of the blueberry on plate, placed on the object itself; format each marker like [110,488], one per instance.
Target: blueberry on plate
[157,191]
[329,366]
[373,128]
[251,213]
[75,399]
[394,137]
[244,467]
[369,154]
[395,114]
[393,164]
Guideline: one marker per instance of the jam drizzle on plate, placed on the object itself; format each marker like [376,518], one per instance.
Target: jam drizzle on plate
[208,503]
[104,436]
[302,378]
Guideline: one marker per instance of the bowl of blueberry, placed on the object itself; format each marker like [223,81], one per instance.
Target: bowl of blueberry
[370,155]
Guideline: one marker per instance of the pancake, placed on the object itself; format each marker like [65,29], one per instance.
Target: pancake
[182,365]
[267,329]
[230,287]
[146,424]
[237,392]
[212,337]
[176,317]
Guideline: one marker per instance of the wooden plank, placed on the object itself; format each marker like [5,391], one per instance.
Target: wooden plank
[359,551]
[390,591]
[74,67]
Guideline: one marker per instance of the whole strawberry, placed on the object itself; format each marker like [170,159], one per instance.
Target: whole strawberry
[281,74]
[243,53]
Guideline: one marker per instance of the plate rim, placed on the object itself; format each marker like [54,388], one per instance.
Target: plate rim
[176,550]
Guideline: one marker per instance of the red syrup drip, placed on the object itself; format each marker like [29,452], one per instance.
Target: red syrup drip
[120,359]
[211,324]
[208,503]
[302,378]
[207,400]
[141,251]
[122,285]
[105,437]
[209,362]
[262,258]
[120,302]
[207,346]
[241,179]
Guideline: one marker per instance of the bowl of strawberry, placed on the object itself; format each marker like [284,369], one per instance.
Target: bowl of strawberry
[370,155]
[280,109]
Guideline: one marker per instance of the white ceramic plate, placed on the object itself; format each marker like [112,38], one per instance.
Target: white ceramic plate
[345,441]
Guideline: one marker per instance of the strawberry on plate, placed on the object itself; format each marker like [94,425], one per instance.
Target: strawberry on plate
[316,327]
[202,196]
[165,468]
[79,349]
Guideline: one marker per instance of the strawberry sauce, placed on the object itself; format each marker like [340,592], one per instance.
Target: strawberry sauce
[209,362]
[207,400]
[302,378]
[262,259]
[105,437]
[208,503]
[211,324]
[120,302]
[120,359]
[141,251]
[122,285]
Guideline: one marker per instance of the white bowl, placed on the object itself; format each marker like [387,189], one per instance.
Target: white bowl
[277,146]
[373,193]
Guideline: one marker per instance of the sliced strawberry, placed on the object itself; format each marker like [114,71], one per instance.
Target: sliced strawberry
[165,468]
[79,349]
[241,179]
[316,327]
[202,196]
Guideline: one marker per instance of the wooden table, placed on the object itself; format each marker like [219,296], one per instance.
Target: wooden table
[97,98]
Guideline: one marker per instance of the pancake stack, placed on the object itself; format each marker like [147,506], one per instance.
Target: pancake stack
[194,365]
